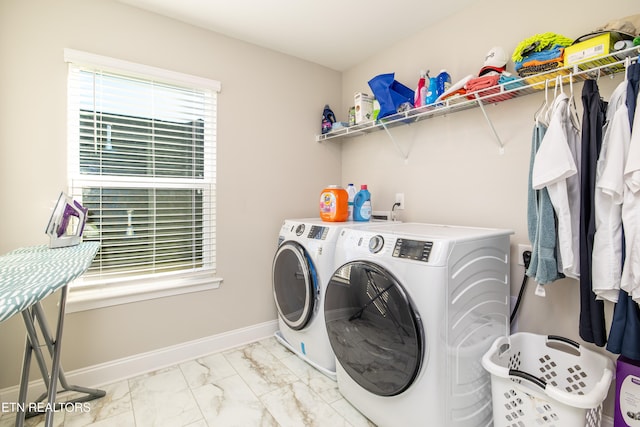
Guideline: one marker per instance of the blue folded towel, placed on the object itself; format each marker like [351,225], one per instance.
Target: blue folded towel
[555,52]
[510,82]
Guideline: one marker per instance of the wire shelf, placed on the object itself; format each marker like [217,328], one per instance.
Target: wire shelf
[603,66]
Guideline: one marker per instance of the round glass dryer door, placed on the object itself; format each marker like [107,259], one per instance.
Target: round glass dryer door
[373,328]
[294,285]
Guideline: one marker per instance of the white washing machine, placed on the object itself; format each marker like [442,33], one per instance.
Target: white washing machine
[302,266]
[410,311]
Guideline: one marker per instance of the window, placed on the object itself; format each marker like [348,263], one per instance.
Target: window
[142,146]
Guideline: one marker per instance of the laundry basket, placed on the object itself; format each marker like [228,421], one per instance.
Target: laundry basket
[539,380]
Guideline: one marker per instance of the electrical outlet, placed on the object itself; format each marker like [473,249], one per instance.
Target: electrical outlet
[521,250]
[400,200]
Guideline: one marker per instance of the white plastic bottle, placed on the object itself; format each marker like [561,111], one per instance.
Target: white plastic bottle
[351,191]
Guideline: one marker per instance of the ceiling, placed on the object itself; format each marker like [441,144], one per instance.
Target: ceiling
[335,33]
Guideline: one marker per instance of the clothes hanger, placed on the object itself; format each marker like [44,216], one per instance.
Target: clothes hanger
[559,84]
[627,62]
[557,90]
[573,109]
[538,114]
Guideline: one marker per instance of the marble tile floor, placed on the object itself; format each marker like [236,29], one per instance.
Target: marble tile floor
[261,384]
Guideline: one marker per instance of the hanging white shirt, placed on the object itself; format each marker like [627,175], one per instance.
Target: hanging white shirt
[606,269]
[555,167]
[631,213]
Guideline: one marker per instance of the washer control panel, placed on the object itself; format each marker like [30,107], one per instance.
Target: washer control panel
[413,249]
[317,232]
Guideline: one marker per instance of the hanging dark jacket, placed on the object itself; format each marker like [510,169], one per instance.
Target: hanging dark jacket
[592,325]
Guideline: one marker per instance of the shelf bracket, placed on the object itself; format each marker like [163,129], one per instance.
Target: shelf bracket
[405,157]
[493,129]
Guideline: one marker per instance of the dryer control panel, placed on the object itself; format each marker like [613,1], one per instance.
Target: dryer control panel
[413,249]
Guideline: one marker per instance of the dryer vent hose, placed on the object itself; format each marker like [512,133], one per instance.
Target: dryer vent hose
[526,259]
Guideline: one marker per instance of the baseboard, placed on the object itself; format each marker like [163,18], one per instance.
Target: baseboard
[116,370]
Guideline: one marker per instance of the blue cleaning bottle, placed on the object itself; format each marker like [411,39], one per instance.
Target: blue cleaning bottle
[362,205]
[444,82]
[432,91]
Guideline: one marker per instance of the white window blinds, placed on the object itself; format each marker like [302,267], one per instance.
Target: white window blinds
[142,158]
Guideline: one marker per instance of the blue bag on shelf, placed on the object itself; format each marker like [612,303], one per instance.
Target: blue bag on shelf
[390,94]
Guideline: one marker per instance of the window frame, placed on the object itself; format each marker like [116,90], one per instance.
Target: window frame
[90,294]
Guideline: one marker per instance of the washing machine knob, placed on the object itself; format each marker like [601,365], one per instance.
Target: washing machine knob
[375,244]
[299,230]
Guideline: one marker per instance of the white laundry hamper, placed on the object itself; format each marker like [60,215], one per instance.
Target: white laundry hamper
[540,380]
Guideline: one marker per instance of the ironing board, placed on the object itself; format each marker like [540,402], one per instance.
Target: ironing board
[27,276]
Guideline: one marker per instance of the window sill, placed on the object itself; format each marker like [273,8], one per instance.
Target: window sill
[82,297]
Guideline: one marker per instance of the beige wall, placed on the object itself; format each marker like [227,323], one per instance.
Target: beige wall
[454,173]
[269,165]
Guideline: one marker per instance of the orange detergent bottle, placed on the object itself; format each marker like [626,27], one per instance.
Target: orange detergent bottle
[334,202]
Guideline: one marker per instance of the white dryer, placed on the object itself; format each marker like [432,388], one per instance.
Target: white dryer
[302,266]
[410,311]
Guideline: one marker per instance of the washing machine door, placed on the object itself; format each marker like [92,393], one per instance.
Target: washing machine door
[374,330]
[294,284]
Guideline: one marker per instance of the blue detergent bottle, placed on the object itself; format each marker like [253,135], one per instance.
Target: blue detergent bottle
[362,205]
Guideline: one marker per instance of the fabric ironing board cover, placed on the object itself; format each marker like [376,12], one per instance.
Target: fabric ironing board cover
[28,275]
